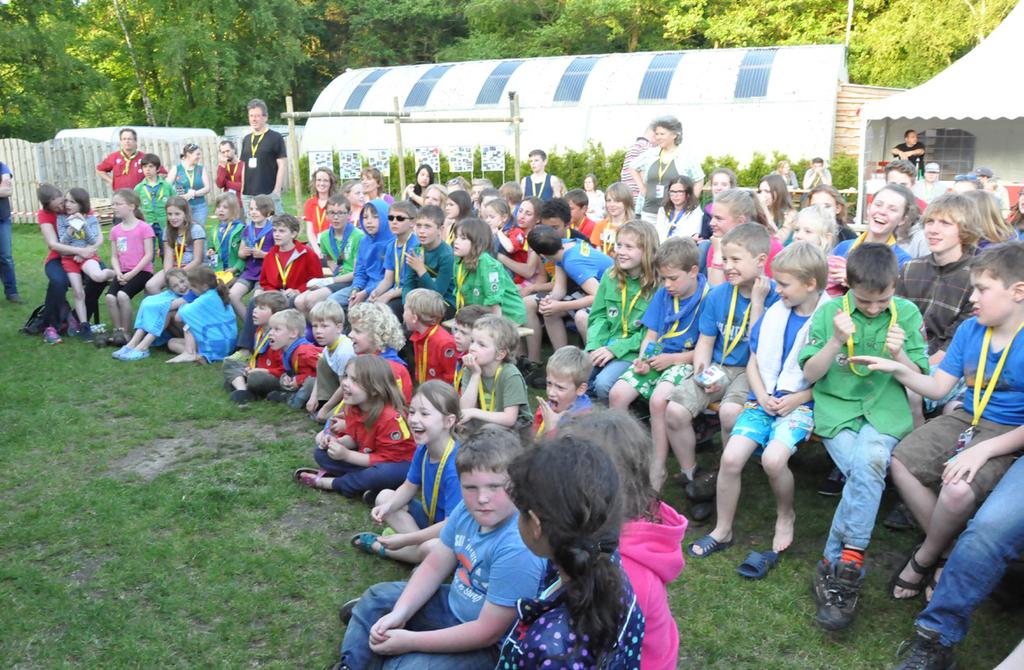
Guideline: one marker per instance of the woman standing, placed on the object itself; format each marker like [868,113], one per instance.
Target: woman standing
[595,198]
[190,183]
[322,186]
[655,168]
[774,196]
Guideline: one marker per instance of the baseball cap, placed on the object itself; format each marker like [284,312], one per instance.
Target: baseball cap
[984,172]
[932,167]
[966,177]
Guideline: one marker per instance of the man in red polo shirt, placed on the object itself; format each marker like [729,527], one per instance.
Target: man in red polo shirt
[123,168]
[229,171]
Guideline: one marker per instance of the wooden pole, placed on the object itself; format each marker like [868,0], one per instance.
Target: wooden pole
[293,153]
[401,150]
[513,101]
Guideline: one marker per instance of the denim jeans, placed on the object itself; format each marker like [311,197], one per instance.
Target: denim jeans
[56,288]
[352,480]
[200,211]
[435,614]
[994,538]
[7,257]
[602,379]
[864,459]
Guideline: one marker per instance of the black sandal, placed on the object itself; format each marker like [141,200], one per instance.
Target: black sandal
[918,586]
[933,581]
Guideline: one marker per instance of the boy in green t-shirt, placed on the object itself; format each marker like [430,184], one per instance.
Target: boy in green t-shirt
[154,191]
[860,414]
[340,242]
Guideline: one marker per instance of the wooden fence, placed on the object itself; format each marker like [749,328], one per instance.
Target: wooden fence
[72,162]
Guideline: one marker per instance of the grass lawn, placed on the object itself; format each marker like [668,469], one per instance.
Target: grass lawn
[148,521]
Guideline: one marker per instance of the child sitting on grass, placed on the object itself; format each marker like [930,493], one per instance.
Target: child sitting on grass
[433,414]
[373,451]
[208,321]
[585,614]
[493,390]
[861,414]
[462,335]
[328,322]
[156,314]
[375,330]
[263,357]
[568,371]
[428,623]
[433,346]
[295,370]
[778,413]
[666,353]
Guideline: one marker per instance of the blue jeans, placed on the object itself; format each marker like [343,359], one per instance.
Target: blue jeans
[435,614]
[341,296]
[864,459]
[602,379]
[200,212]
[56,288]
[352,480]
[7,257]
[994,538]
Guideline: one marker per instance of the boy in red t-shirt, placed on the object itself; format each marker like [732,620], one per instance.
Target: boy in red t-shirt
[286,371]
[433,347]
[264,359]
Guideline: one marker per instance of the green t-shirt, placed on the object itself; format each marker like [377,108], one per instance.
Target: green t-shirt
[440,274]
[229,244]
[491,284]
[610,311]
[331,246]
[511,391]
[154,199]
[844,400]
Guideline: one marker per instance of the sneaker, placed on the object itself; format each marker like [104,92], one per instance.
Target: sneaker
[238,356]
[85,332]
[703,486]
[299,398]
[819,586]
[838,603]
[15,298]
[702,511]
[899,519]
[279,396]
[345,613]
[833,484]
[50,336]
[925,652]
[99,339]
[118,338]
[98,328]
[134,355]
[242,397]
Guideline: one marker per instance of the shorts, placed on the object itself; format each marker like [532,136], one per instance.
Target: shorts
[925,451]
[247,283]
[571,314]
[761,427]
[416,511]
[956,393]
[134,286]
[645,384]
[72,266]
[695,399]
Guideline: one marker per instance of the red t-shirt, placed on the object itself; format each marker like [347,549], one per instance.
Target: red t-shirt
[269,360]
[586,226]
[520,250]
[402,378]
[304,265]
[45,216]
[231,180]
[315,215]
[388,440]
[303,362]
[440,357]
[125,175]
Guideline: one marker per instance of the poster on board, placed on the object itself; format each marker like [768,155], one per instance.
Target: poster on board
[429,155]
[492,158]
[320,158]
[460,159]
[380,159]
[349,165]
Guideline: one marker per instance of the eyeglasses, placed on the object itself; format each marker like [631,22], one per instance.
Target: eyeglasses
[335,212]
[398,217]
[676,191]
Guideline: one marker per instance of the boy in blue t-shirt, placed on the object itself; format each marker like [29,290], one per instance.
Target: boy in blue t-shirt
[401,217]
[672,320]
[963,455]
[578,271]
[722,349]
[457,625]
[778,413]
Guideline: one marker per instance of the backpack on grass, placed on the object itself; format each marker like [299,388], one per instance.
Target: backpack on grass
[35,324]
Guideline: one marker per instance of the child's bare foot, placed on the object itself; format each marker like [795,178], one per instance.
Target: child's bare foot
[184,358]
[784,528]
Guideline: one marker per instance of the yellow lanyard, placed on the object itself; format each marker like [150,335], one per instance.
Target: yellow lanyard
[261,340]
[624,314]
[400,262]
[231,173]
[283,271]
[981,399]
[460,278]
[191,177]
[254,145]
[179,251]
[662,167]
[432,508]
[727,346]
[863,236]
[458,375]
[451,235]
[321,216]
[893,315]
[673,332]
[608,238]
[218,235]
[421,360]
[127,161]
[494,391]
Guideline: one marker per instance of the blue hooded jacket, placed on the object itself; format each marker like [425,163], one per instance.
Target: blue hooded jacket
[372,249]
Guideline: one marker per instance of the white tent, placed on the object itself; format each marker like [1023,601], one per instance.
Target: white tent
[970,113]
[112,133]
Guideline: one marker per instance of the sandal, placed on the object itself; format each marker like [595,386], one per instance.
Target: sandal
[309,477]
[918,586]
[757,564]
[364,542]
[707,545]
[933,581]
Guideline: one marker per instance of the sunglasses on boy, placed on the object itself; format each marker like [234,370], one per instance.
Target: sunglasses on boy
[398,217]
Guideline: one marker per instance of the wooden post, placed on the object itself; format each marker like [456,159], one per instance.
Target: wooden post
[401,150]
[513,103]
[293,153]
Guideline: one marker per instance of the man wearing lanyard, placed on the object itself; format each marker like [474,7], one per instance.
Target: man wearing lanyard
[229,171]
[123,168]
[263,157]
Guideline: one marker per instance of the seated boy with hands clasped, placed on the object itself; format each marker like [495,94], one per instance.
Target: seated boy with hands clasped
[428,623]
[861,414]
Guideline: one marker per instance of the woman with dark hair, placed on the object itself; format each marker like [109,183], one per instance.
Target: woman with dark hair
[655,168]
[680,214]
[418,188]
[774,196]
[457,207]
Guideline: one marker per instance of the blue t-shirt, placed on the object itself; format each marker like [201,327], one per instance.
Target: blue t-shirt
[449,492]
[664,317]
[1006,406]
[495,566]
[843,249]
[715,314]
[395,257]
[583,262]
[793,325]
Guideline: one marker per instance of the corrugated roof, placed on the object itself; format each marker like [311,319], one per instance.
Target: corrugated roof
[755,71]
[355,99]
[570,87]
[421,90]
[494,86]
[659,76]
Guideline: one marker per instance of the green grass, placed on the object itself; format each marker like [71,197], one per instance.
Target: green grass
[146,520]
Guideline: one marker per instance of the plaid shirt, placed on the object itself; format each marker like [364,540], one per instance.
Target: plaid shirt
[942,293]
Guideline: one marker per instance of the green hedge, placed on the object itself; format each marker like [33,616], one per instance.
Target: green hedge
[573,166]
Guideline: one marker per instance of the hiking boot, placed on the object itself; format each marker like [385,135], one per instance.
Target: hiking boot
[242,397]
[820,582]
[279,396]
[833,484]
[702,511]
[836,607]
[703,486]
[85,332]
[899,519]
[15,298]
[925,652]
[345,613]
[50,336]
[118,338]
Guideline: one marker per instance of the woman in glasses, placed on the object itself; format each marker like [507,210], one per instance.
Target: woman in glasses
[190,182]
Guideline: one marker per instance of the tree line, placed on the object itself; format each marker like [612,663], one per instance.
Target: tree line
[84,63]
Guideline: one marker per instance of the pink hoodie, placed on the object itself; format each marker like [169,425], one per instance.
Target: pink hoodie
[652,555]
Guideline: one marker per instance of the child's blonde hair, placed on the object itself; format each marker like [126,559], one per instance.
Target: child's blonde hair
[646,237]
[680,253]
[753,237]
[327,310]
[175,272]
[823,222]
[619,192]
[957,208]
[989,220]
[741,202]
[231,200]
[426,305]
[491,449]
[380,322]
[289,319]
[503,331]
[373,374]
[570,362]
[804,261]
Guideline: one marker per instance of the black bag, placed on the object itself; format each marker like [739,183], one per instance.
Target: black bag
[35,324]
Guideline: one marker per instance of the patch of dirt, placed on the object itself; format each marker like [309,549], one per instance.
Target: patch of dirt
[87,569]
